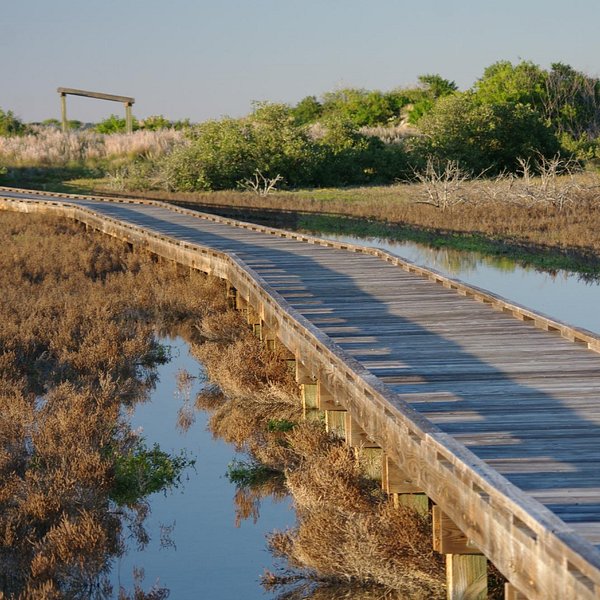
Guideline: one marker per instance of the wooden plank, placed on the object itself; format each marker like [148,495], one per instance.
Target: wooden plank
[97,95]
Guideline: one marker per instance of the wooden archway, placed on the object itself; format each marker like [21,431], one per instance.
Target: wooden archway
[126,100]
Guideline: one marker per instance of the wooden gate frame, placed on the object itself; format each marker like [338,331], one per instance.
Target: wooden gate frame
[126,100]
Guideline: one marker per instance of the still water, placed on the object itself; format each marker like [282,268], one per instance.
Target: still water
[211,557]
[564,296]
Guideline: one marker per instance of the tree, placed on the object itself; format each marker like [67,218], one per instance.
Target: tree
[502,82]
[114,124]
[485,137]
[10,125]
[308,110]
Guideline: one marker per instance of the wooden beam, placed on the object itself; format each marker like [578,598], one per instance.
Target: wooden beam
[98,95]
[355,435]
[447,537]
[395,481]
[335,422]
[466,577]
[325,400]
[512,593]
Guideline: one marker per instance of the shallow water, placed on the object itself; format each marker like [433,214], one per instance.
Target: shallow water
[211,557]
[564,296]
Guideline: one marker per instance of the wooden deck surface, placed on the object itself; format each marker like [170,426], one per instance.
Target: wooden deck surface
[524,400]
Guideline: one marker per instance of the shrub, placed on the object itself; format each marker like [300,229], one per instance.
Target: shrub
[10,125]
[485,137]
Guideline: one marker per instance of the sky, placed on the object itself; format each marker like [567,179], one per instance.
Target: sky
[204,60]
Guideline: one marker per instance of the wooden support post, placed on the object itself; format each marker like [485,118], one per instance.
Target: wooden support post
[466,576]
[268,336]
[402,489]
[231,296]
[335,422]
[447,537]
[128,118]
[63,112]
[466,567]
[512,593]
[355,435]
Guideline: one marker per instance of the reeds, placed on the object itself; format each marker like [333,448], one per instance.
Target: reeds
[347,532]
[77,342]
[50,147]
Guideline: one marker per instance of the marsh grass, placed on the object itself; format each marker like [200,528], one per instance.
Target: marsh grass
[50,147]
[77,343]
[496,210]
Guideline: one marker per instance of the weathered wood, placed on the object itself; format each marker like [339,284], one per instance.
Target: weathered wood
[63,113]
[395,481]
[466,577]
[512,593]
[98,95]
[384,346]
[447,537]
[335,422]
[355,434]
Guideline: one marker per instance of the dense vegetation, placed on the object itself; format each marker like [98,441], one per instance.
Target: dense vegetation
[513,113]
[77,345]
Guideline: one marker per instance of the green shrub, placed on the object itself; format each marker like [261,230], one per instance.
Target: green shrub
[143,471]
[114,124]
[11,125]
[485,137]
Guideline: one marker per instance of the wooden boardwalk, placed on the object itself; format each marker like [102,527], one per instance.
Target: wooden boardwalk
[504,401]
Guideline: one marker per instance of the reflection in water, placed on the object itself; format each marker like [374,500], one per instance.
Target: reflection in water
[562,295]
[205,547]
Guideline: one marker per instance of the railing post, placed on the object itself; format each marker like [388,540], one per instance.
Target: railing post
[63,112]
[128,118]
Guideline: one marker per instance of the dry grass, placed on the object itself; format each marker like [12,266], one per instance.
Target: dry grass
[49,147]
[76,342]
[494,209]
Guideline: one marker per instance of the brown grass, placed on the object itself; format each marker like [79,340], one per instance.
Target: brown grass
[76,342]
[492,209]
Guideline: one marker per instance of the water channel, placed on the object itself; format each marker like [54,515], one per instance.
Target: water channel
[205,555]
[212,558]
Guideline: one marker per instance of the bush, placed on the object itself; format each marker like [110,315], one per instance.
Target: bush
[485,137]
[11,125]
[114,124]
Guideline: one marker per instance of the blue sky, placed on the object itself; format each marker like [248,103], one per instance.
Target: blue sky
[199,59]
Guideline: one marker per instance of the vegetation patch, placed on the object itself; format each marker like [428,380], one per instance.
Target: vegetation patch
[77,345]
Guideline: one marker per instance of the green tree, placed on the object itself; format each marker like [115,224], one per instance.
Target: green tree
[485,137]
[502,82]
[114,124]
[11,125]
[431,88]
[308,110]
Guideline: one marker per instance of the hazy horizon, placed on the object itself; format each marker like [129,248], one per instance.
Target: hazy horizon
[204,60]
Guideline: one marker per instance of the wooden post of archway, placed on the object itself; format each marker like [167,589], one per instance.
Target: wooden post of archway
[126,100]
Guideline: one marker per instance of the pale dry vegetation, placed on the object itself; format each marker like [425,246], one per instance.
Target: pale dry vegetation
[77,342]
[50,147]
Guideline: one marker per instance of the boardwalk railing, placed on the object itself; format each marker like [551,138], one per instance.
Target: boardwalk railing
[536,551]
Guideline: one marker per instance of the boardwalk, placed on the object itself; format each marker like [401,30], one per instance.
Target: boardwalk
[490,394]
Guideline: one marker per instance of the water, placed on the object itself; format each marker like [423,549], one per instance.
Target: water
[563,296]
[211,558]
